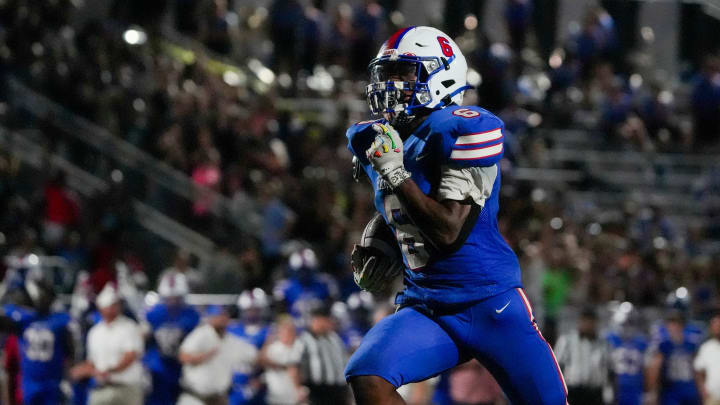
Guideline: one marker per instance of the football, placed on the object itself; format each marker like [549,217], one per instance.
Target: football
[378,236]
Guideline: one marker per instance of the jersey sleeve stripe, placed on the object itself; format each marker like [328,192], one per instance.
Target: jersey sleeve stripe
[479,153]
[479,145]
[479,137]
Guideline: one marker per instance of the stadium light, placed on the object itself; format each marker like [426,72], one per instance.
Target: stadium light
[471,22]
[473,77]
[231,78]
[556,223]
[264,74]
[134,36]
[33,259]
[116,176]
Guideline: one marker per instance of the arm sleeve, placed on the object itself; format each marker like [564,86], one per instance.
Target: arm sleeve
[476,142]
[471,182]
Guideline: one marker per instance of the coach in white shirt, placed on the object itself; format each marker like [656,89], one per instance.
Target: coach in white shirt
[281,357]
[707,365]
[114,348]
[209,356]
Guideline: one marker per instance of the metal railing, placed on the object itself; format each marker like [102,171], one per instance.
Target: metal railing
[89,185]
[116,149]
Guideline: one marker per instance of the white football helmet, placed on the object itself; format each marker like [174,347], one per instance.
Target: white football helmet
[435,59]
[173,284]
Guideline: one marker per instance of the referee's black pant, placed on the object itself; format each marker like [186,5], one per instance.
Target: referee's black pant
[584,395]
[325,394]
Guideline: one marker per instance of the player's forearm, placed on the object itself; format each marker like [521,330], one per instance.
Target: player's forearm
[82,370]
[439,222]
[194,359]
[700,382]
[127,360]
[653,373]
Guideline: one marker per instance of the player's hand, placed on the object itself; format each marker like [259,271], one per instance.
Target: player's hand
[371,270]
[101,376]
[386,155]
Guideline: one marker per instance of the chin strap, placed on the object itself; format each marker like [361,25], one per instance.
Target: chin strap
[447,100]
[402,120]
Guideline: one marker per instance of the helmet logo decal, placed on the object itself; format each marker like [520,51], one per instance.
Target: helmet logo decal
[445,46]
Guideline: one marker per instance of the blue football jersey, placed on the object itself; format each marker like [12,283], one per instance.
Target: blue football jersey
[484,266]
[628,359]
[169,327]
[253,333]
[677,367]
[42,340]
[301,297]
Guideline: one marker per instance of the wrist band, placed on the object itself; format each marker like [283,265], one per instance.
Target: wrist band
[397,176]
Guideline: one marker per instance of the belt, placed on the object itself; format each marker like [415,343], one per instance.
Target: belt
[208,398]
[110,384]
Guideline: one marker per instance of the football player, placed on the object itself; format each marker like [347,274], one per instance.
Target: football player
[433,165]
[168,322]
[628,347]
[306,287]
[253,326]
[670,373]
[46,339]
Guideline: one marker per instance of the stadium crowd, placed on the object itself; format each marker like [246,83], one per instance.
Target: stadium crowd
[239,139]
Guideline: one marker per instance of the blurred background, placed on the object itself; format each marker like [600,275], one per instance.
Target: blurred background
[204,141]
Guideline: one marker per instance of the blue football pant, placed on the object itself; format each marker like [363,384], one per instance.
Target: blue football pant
[500,332]
[165,390]
[629,396]
[680,394]
[41,392]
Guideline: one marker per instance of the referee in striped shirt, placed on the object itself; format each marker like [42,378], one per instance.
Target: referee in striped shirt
[585,361]
[323,360]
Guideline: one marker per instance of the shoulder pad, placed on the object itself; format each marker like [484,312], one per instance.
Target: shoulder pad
[360,136]
[472,136]
[17,313]
[155,313]
[63,317]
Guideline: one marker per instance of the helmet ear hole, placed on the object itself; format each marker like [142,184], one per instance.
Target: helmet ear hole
[447,83]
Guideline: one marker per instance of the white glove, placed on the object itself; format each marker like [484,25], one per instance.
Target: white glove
[386,155]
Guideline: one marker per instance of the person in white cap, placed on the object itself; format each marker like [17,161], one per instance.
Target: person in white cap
[114,347]
[209,356]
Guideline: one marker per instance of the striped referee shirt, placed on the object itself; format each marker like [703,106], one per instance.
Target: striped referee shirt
[584,361]
[324,358]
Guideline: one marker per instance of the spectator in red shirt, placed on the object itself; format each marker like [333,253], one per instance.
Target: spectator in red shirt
[61,210]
